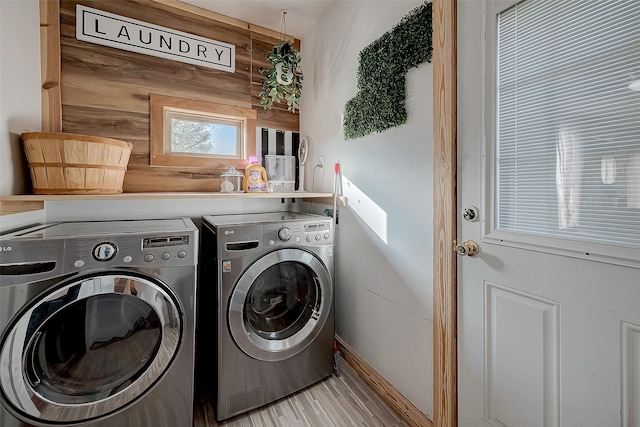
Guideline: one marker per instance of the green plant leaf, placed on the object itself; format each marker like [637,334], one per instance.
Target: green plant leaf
[382,66]
[274,92]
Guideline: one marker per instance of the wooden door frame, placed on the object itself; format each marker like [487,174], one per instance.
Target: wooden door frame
[445,354]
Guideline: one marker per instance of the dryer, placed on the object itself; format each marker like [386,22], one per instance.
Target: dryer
[266,307]
[97,324]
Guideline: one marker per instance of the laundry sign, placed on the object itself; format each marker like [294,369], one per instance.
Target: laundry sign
[108,29]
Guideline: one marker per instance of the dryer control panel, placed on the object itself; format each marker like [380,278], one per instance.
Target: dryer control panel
[320,231]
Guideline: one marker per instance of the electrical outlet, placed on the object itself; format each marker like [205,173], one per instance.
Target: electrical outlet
[321,162]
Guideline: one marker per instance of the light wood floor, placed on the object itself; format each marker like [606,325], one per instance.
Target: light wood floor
[339,401]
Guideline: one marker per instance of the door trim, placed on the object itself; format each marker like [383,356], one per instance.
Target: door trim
[445,355]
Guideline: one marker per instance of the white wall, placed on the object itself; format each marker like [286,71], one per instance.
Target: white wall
[19,88]
[383,289]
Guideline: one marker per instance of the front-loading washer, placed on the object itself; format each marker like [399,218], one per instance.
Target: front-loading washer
[266,307]
[97,324]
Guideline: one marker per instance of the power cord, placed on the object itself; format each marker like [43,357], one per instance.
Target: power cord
[313,182]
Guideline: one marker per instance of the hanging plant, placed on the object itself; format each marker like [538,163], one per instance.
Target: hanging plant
[283,79]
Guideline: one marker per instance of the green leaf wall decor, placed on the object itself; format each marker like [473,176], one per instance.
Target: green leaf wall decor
[284,78]
[380,101]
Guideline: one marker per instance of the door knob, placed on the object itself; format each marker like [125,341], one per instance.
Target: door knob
[466,248]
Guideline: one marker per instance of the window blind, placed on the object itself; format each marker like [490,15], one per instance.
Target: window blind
[567,120]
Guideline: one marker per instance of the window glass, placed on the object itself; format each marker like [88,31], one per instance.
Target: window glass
[568,120]
[205,137]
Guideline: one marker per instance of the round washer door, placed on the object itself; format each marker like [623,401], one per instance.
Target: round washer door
[280,304]
[89,348]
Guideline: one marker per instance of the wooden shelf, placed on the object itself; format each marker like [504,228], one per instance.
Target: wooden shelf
[30,202]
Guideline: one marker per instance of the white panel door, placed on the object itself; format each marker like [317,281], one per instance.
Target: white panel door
[543,339]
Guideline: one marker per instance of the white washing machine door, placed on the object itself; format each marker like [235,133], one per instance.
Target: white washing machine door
[88,348]
[280,304]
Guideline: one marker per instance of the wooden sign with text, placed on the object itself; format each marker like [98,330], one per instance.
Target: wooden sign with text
[108,29]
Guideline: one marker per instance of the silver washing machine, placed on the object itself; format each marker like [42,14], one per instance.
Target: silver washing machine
[97,324]
[266,307]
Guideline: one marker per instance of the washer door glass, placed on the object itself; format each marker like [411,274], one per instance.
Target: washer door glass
[280,304]
[93,348]
[282,300]
[90,347]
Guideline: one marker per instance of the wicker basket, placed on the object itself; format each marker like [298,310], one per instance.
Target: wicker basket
[65,163]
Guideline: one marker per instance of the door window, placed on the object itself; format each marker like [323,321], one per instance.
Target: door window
[567,123]
[282,300]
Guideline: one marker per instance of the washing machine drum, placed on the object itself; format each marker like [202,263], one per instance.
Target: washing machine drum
[280,304]
[88,348]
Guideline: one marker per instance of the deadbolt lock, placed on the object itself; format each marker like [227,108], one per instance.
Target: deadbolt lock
[466,248]
[470,213]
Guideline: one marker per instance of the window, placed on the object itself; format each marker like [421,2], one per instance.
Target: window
[567,121]
[188,133]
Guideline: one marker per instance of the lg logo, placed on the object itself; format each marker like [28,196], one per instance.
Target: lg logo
[5,248]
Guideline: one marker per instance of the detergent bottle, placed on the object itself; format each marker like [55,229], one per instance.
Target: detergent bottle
[255,177]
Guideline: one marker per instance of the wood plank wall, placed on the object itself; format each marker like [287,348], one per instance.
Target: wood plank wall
[105,91]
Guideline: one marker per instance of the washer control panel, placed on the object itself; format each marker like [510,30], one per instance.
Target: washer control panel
[54,249]
[157,251]
[104,251]
[284,234]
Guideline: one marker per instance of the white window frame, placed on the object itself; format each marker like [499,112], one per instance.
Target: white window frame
[620,254]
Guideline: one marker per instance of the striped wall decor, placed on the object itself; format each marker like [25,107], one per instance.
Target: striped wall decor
[278,142]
